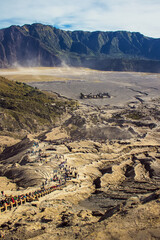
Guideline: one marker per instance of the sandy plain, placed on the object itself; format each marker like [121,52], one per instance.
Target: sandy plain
[123,87]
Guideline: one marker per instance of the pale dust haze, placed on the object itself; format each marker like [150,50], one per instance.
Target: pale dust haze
[123,87]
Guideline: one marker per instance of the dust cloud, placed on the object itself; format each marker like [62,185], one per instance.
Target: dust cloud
[123,87]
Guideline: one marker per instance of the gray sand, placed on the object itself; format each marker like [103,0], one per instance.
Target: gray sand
[122,87]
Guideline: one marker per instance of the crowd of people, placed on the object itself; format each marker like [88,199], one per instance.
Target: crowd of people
[61,174]
[13,201]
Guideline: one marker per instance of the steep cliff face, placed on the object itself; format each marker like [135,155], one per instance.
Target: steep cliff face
[44,45]
[20,48]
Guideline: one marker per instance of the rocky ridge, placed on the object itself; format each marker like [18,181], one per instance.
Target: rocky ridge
[43,45]
[25,109]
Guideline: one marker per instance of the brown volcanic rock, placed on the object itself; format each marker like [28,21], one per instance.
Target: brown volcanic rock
[61,220]
[115,194]
[16,149]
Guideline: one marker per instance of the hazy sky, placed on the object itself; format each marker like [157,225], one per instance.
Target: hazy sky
[104,15]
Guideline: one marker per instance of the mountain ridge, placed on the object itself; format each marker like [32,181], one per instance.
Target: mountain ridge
[44,45]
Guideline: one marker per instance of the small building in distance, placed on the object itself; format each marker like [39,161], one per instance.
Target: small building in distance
[94,96]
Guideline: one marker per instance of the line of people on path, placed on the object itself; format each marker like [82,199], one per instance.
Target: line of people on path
[10,201]
[60,176]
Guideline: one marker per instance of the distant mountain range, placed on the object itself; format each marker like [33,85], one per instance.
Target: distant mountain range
[43,45]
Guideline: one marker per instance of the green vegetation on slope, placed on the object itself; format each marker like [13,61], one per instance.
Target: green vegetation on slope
[23,107]
[135,115]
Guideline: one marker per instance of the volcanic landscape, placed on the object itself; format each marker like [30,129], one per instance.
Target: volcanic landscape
[104,155]
[123,87]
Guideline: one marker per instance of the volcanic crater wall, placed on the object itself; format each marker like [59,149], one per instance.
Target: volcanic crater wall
[42,45]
